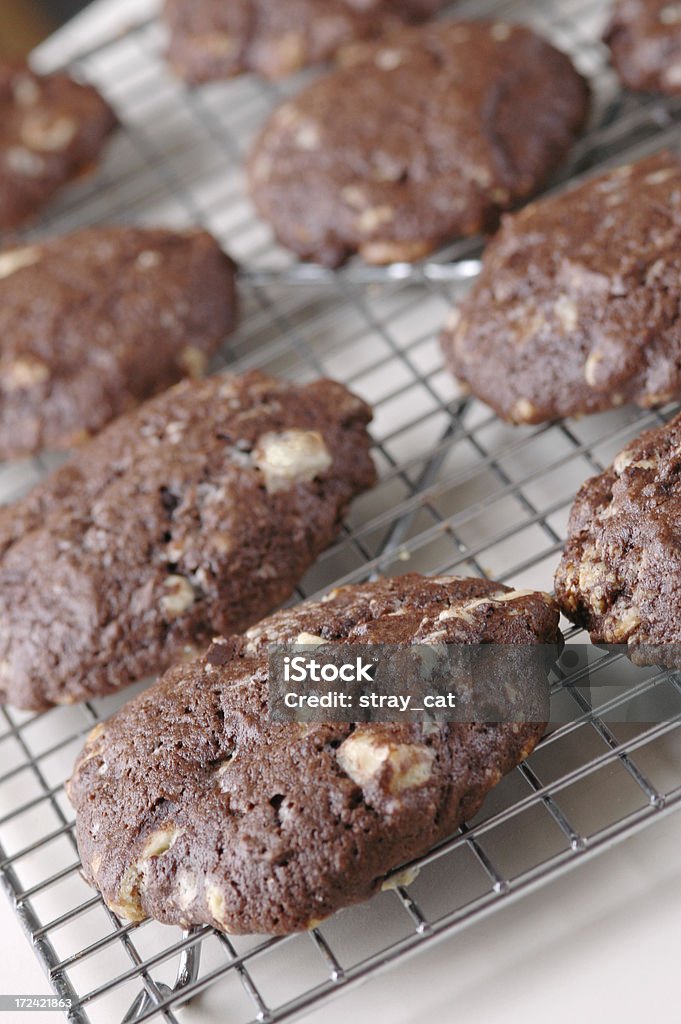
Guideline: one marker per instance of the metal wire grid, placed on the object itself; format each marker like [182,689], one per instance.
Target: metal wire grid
[459,491]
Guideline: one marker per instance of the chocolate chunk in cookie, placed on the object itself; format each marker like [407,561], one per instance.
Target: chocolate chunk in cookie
[212,39]
[51,130]
[620,575]
[577,306]
[193,808]
[419,140]
[192,516]
[645,42]
[96,321]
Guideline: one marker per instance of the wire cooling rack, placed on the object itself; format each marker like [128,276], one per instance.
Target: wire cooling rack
[459,491]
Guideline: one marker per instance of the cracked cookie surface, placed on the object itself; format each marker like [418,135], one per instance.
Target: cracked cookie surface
[417,140]
[192,516]
[193,808]
[577,306]
[94,322]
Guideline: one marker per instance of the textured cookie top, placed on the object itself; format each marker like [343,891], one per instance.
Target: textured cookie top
[577,306]
[620,575]
[51,129]
[213,39]
[193,808]
[415,609]
[122,313]
[420,139]
[193,516]
[645,41]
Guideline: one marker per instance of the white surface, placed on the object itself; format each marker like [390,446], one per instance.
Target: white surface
[99,21]
[600,944]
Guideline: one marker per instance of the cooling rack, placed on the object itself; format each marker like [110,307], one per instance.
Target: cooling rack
[459,491]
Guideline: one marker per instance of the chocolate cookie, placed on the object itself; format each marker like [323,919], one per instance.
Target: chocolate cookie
[421,139]
[96,321]
[193,808]
[577,306]
[195,515]
[645,42]
[51,130]
[620,575]
[212,39]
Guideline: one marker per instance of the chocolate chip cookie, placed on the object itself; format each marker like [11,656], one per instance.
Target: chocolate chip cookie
[94,322]
[192,516]
[620,575]
[51,130]
[419,140]
[577,306]
[645,42]
[211,39]
[193,808]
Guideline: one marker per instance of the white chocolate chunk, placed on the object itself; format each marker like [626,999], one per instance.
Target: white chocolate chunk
[591,368]
[160,842]
[194,361]
[25,90]
[625,460]
[522,411]
[310,640]
[657,177]
[567,312]
[147,259]
[388,60]
[462,611]
[15,259]
[180,596]
[513,595]
[354,196]
[453,320]
[128,905]
[95,734]
[187,889]
[382,252]
[22,161]
[290,51]
[314,922]
[628,621]
[215,900]
[401,879]
[308,137]
[500,31]
[24,373]
[47,136]
[291,457]
[373,217]
[362,757]
[671,14]
[672,75]
[622,460]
